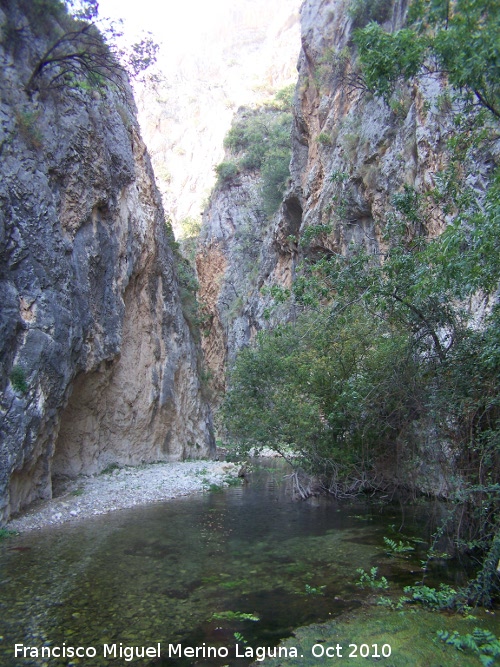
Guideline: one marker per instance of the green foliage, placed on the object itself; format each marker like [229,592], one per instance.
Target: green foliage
[313,231]
[83,53]
[215,488]
[398,547]
[275,174]
[190,227]
[283,99]
[260,141]
[314,590]
[387,58]
[190,230]
[5,533]
[482,642]
[370,580]
[226,171]
[303,385]
[188,288]
[362,12]
[17,379]
[234,616]
[459,38]
[324,139]
[431,598]
[29,129]
[43,15]
[110,468]
[387,348]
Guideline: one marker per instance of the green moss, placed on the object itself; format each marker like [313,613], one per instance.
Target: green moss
[411,635]
[5,533]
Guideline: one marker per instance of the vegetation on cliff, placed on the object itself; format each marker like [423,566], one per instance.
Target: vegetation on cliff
[81,51]
[391,372]
[259,141]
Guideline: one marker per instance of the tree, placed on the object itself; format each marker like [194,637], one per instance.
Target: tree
[458,38]
[391,345]
[87,53]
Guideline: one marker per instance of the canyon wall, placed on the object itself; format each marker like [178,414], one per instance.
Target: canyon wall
[351,153]
[236,54]
[98,365]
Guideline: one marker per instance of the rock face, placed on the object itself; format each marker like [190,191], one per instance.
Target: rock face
[241,54]
[351,152]
[239,254]
[97,361]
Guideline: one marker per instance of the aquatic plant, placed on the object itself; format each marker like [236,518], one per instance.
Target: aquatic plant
[397,547]
[312,590]
[369,579]
[431,598]
[483,642]
[234,616]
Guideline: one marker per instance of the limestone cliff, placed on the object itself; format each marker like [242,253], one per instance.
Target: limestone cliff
[240,253]
[351,152]
[97,362]
[234,54]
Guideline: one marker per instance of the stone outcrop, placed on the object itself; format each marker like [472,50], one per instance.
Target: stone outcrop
[97,362]
[351,152]
[238,256]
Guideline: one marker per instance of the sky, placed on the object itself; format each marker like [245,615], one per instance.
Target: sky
[174,23]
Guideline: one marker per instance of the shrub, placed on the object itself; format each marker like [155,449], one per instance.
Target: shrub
[17,379]
[190,227]
[260,140]
[29,129]
[303,386]
[226,171]
[324,139]
[275,175]
[362,12]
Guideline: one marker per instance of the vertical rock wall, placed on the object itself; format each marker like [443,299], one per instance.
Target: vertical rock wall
[97,362]
[351,153]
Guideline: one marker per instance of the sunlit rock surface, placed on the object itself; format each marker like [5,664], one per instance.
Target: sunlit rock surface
[245,53]
[351,153]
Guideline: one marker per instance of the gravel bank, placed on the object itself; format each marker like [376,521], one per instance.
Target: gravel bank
[125,487]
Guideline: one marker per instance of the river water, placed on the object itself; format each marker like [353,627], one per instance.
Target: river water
[183,572]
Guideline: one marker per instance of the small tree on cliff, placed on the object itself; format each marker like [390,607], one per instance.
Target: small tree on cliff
[86,53]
